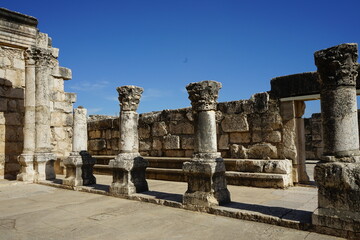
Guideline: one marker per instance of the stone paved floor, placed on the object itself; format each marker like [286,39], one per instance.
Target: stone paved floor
[33,211]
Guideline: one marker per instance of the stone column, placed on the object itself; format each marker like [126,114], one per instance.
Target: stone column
[128,167]
[300,164]
[338,175]
[206,171]
[79,165]
[26,159]
[44,158]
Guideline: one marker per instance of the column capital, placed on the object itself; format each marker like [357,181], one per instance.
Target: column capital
[29,56]
[38,56]
[203,95]
[129,97]
[337,65]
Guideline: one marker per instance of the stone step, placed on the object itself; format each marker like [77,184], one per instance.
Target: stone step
[265,180]
[238,165]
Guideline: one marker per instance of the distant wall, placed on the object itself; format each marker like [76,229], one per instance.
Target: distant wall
[250,128]
[313,135]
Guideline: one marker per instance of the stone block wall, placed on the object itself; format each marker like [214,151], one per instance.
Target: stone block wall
[12,74]
[18,33]
[313,136]
[246,129]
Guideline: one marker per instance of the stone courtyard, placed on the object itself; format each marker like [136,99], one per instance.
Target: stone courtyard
[93,177]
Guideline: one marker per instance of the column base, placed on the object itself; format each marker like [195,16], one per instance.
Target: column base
[44,166]
[338,196]
[27,173]
[79,169]
[128,174]
[206,181]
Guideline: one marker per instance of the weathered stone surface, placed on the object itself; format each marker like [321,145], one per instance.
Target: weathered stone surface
[238,151]
[262,151]
[181,128]
[224,142]
[171,142]
[237,137]
[235,123]
[338,194]
[159,129]
[129,97]
[260,101]
[272,137]
[187,142]
[97,144]
[337,67]
[208,190]
[128,174]
[203,95]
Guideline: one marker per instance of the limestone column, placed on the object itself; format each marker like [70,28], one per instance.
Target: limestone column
[79,165]
[128,167]
[206,171]
[44,158]
[338,175]
[300,164]
[26,159]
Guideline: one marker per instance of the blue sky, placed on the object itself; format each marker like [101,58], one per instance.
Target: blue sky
[162,45]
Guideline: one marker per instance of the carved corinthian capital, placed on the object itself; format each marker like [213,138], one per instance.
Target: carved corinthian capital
[203,95]
[338,65]
[129,97]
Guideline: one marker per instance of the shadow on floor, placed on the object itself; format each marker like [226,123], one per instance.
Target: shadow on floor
[165,196]
[101,187]
[283,213]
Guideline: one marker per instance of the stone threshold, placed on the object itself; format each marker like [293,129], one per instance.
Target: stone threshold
[228,210]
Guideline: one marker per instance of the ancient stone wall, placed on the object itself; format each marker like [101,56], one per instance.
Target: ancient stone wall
[12,75]
[313,136]
[22,49]
[250,128]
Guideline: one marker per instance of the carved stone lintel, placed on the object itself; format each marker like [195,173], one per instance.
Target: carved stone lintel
[203,95]
[129,97]
[338,65]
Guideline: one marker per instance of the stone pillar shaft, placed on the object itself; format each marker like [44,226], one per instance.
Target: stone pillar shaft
[44,158]
[29,104]
[337,176]
[337,67]
[340,121]
[206,172]
[42,104]
[26,159]
[79,165]
[205,132]
[79,130]
[128,167]
[129,139]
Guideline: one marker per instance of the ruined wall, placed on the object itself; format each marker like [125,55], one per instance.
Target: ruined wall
[18,33]
[12,75]
[250,128]
[313,136]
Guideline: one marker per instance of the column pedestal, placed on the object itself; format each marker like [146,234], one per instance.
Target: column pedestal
[27,168]
[206,181]
[338,196]
[44,166]
[128,174]
[79,169]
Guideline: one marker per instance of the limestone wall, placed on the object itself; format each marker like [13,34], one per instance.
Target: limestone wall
[313,136]
[18,33]
[12,74]
[250,128]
